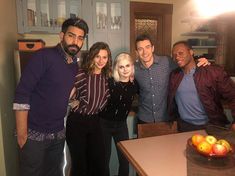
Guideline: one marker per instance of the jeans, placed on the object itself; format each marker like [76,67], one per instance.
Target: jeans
[42,158]
[185,126]
[118,130]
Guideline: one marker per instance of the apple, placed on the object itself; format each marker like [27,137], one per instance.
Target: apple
[225,143]
[219,149]
[210,139]
[204,147]
[197,138]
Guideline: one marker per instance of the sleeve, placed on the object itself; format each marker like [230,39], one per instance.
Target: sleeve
[226,87]
[136,86]
[80,84]
[29,80]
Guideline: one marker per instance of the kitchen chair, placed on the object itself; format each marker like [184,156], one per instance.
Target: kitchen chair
[156,129]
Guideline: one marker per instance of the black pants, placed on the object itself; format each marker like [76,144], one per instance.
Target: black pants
[42,158]
[185,126]
[119,132]
[86,145]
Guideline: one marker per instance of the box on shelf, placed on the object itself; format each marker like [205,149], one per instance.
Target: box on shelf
[30,44]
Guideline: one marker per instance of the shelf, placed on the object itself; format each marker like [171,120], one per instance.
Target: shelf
[195,19]
[198,33]
[203,47]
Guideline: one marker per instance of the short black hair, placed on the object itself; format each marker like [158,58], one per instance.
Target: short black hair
[142,37]
[183,42]
[77,22]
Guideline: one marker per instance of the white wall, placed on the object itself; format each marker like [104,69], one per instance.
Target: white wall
[8,151]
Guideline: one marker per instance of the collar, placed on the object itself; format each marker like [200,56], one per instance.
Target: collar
[65,55]
[155,61]
[191,72]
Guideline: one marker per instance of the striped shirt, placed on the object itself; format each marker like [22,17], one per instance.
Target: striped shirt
[92,92]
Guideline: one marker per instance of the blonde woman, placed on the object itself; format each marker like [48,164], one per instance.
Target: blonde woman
[113,118]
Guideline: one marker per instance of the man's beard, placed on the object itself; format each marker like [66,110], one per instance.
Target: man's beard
[71,50]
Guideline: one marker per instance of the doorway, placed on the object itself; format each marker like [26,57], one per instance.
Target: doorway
[155,20]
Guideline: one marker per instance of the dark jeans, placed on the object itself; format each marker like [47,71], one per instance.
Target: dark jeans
[185,126]
[119,132]
[86,145]
[42,158]
[141,122]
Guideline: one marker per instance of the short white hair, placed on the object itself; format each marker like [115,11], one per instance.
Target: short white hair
[120,57]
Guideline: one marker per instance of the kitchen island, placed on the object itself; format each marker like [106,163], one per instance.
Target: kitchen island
[166,156]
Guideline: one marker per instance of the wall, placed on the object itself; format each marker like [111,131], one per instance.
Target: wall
[8,38]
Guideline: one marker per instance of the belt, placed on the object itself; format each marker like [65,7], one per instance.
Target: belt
[39,136]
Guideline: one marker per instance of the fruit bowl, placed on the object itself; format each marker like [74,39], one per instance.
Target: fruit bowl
[210,154]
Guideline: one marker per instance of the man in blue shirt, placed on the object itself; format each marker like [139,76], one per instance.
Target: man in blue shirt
[195,94]
[41,101]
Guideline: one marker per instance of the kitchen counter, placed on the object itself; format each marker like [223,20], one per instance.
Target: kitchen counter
[166,156]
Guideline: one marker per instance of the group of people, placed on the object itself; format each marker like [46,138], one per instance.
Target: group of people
[101,93]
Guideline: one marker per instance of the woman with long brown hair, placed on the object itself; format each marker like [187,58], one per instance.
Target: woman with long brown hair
[83,132]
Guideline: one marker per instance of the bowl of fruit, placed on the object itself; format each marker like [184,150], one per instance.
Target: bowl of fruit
[210,146]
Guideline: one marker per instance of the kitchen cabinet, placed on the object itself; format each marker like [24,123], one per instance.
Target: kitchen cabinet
[110,21]
[45,16]
[203,42]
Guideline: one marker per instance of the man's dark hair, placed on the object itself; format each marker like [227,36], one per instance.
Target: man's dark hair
[183,42]
[143,37]
[76,22]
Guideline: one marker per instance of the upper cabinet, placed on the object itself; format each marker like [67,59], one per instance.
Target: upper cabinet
[109,23]
[45,16]
[108,20]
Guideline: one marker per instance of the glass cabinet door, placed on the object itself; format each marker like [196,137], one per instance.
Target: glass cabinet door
[108,15]
[116,16]
[74,9]
[39,15]
[101,15]
[31,13]
[46,16]
[59,12]
[63,9]
[44,13]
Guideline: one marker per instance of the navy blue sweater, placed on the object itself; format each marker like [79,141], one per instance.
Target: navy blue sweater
[45,85]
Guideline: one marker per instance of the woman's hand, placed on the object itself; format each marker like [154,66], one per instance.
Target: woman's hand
[74,104]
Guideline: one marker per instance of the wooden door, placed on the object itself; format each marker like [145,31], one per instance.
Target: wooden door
[155,20]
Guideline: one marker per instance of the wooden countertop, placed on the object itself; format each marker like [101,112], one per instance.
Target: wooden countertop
[160,155]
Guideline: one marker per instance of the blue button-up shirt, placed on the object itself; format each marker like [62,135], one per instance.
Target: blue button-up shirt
[153,89]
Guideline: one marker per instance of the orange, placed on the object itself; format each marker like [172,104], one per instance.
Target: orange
[204,147]
[197,138]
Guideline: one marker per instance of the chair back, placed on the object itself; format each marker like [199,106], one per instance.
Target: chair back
[156,129]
